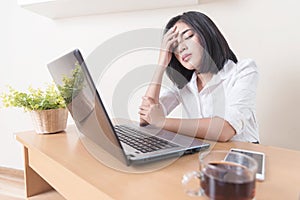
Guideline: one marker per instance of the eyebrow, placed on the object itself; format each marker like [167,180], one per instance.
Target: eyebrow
[183,32]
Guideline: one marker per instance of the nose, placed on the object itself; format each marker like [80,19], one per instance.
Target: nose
[181,46]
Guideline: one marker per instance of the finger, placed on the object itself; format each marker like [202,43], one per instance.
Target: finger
[144,117]
[172,44]
[143,120]
[145,103]
[174,34]
[142,112]
[171,36]
[171,30]
[148,101]
[146,108]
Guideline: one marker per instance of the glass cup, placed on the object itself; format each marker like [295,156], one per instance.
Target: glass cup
[223,175]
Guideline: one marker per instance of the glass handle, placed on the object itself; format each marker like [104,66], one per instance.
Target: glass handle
[186,179]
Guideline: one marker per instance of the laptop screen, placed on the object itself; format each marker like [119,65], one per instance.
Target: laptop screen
[76,86]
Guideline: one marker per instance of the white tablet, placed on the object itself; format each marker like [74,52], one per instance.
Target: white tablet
[259,157]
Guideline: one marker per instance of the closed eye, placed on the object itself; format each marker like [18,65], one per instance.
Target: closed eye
[189,36]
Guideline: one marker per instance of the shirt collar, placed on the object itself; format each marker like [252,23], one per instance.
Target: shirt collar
[223,74]
[192,84]
[227,70]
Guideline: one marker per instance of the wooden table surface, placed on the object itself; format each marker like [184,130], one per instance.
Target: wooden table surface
[73,172]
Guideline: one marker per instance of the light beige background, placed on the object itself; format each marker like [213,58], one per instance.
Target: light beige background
[267,31]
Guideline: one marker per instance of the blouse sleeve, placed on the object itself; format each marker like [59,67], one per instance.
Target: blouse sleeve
[169,99]
[240,104]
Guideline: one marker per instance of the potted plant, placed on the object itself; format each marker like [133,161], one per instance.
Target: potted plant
[47,107]
[79,101]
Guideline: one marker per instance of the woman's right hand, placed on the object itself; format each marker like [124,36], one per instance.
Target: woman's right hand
[165,55]
[146,103]
[168,42]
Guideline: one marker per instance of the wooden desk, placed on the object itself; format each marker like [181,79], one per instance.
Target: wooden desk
[60,161]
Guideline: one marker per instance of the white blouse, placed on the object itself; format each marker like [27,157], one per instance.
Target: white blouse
[230,95]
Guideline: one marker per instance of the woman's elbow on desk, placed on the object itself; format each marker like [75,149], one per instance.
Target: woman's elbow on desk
[216,129]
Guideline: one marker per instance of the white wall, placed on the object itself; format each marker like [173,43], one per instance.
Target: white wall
[267,31]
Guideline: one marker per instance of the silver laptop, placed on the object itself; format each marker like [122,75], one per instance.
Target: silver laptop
[128,142]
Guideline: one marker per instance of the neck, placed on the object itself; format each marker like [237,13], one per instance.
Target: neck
[204,78]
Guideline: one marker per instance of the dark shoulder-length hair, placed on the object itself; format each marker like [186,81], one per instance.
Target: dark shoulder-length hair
[216,50]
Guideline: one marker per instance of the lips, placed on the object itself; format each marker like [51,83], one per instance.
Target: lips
[186,57]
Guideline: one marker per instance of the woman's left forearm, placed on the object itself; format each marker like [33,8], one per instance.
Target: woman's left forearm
[214,128]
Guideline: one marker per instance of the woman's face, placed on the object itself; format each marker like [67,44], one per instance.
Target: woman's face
[188,49]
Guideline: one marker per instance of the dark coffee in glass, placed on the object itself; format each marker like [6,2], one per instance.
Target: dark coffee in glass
[229,181]
[223,175]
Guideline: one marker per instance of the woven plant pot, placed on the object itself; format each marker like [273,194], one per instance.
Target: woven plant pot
[49,121]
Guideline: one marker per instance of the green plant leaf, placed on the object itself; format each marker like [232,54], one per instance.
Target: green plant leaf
[35,99]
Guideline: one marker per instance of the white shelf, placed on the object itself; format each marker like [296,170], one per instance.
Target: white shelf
[55,9]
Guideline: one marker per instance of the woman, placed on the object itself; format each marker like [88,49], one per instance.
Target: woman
[216,91]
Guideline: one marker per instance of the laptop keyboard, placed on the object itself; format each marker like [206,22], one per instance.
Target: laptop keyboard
[140,141]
